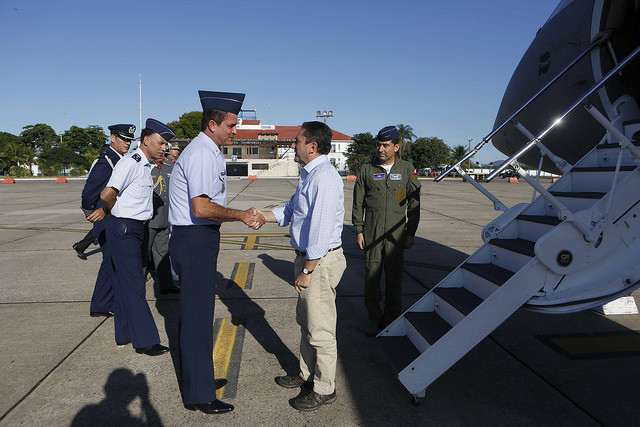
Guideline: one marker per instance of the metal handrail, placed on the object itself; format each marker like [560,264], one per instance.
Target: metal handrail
[512,116]
[511,160]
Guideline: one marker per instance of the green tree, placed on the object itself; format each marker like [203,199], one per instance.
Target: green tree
[13,153]
[406,136]
[361,150]
[39,136]
[187,126]
[61,158]
[7,138]
[81,139]
[457,153]
[430,152]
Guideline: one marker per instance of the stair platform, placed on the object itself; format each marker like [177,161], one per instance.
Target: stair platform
[431,326]
[460,298]
[399,350]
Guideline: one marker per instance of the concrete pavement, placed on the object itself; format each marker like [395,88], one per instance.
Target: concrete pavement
[61,367]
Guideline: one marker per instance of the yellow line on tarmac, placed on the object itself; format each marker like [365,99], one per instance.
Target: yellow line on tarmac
[242,271]
[42,229]
[250,243]
[264,245]
[222,350]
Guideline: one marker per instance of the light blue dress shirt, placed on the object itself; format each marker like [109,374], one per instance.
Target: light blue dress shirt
[316,210]
[132,178]
[200,170]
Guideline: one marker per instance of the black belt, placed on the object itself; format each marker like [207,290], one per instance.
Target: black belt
[300,253]
[194,227]
[141,221]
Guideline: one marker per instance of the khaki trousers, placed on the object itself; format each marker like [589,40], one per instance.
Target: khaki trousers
[317,316]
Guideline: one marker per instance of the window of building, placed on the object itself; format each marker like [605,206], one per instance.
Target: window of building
[254,150]
[224,150]
[237,151]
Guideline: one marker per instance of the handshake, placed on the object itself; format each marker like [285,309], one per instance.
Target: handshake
[255,218]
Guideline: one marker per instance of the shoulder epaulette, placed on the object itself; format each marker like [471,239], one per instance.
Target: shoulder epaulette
[136,157]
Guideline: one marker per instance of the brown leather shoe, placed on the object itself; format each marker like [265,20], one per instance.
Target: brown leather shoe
[293,381]
[313,400]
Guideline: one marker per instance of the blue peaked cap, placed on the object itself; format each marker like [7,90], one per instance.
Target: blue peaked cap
[225,101]
[387,133]
[124,131]
[160,128]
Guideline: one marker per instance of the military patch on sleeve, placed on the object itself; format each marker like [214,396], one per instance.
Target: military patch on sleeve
[136,157]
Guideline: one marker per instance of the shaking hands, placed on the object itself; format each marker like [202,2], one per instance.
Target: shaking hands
[253,218]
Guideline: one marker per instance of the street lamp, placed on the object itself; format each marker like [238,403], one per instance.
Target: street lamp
[324,114]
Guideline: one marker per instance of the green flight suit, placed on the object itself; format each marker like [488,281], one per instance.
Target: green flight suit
[386,208]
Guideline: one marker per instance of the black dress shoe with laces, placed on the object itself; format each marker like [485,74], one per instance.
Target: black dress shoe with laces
[100,314]
[313,400]
[154,350]
[215,407]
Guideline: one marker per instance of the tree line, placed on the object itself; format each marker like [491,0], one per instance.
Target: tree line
[75,149]
[424,152]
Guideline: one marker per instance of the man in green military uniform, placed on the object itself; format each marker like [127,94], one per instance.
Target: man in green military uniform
[386,212]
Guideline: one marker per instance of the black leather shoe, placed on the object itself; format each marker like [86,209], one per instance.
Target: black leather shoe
[313,400]
[293,381]
[215,407]
[79,252]
[122,343]
[636,136]
[171,290]
[154,350]
[100,314]
[221,382]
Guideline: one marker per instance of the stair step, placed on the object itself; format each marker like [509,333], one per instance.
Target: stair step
[491,272]
[603,169]
[541,219]
[399,350]
[521,246]
[579,194]
[460,298]
[431,326]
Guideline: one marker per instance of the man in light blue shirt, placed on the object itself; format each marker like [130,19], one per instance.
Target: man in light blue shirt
[197,206]
[315,214]
[128,197]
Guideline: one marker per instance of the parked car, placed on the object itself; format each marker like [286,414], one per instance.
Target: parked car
[508,173]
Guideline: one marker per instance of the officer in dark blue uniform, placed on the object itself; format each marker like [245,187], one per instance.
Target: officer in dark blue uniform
[197,206]
[128,197]
[121,137]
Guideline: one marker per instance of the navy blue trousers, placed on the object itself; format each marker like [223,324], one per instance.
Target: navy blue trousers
[194,257]
[102,298]
[133,319]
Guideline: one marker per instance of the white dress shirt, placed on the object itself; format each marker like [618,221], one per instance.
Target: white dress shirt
[316,210]
[200,170]
[132,178]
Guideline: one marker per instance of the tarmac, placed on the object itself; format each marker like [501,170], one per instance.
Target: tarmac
[59,366]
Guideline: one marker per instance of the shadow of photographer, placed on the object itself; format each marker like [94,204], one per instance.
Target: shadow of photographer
[121,390]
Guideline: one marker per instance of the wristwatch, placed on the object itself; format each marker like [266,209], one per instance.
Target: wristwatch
[305,271]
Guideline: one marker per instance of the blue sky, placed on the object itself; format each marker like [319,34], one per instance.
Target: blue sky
[438,66]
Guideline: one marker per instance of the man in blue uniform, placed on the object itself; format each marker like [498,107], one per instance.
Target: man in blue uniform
[197,206]
[128,197]
[121,137]
[315,214]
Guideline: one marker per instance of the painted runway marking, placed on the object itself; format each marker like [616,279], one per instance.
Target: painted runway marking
[227,350]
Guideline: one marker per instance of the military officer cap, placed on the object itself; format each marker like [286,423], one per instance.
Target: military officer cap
[124,131]
[173,146]
[387,133]
[225,101]
[160,128]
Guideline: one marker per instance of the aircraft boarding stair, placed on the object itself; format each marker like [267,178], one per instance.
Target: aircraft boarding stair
[572,248]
